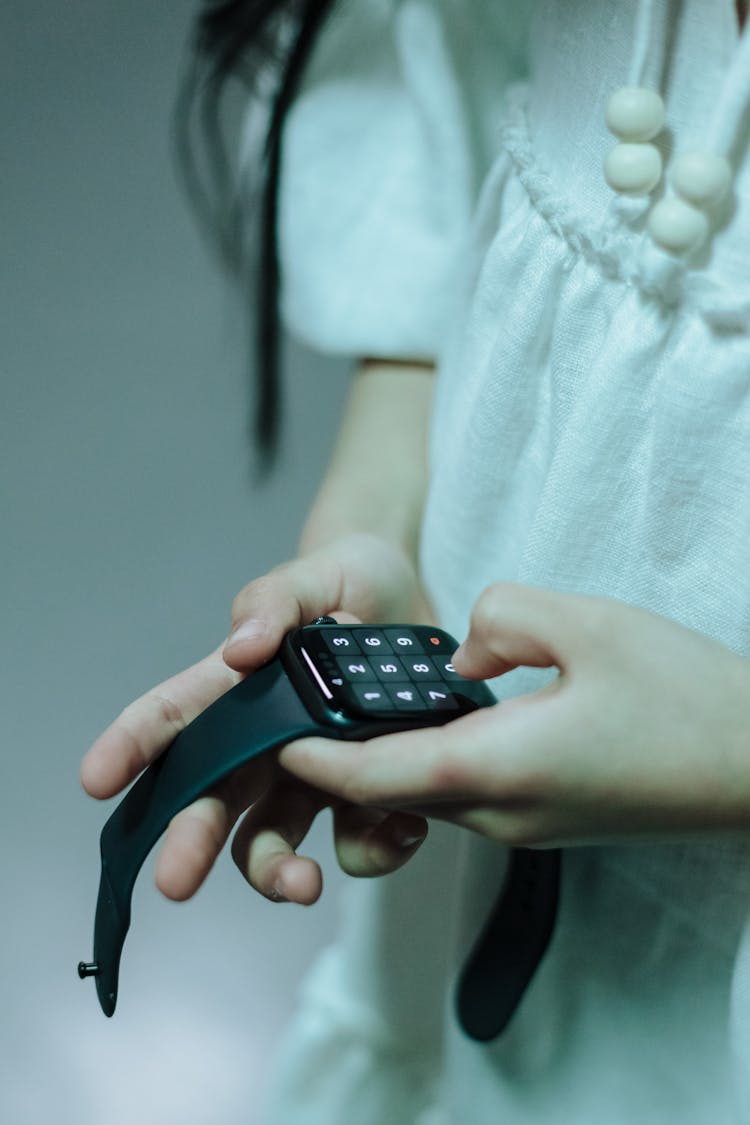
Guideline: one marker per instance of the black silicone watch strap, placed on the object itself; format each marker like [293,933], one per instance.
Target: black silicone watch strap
[260,714]
[514,940]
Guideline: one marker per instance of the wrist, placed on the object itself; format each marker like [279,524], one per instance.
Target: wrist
[377,478]
[338,515]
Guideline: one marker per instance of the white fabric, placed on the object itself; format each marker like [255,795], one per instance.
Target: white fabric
[592,434]
[381,159]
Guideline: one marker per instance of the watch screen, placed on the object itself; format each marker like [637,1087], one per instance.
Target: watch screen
[386,670]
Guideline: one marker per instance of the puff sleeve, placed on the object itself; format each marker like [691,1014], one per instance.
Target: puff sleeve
[379,175]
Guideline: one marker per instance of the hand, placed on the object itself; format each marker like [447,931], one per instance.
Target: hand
[644,732]
[358,576]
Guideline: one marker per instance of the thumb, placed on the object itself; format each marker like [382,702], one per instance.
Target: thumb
[513,625]
[290,595]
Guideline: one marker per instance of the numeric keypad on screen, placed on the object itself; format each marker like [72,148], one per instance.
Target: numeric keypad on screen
[389,668]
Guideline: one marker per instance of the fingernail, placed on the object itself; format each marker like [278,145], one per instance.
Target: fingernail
[247,631]
[407,839]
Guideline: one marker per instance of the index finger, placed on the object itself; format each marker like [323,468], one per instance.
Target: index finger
[146,727]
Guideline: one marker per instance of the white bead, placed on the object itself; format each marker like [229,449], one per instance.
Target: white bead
[633,169]
[676,226]
[701,177]
[634,113]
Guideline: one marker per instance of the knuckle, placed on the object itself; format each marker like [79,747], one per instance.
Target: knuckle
[240,601]
[356,789]
[280,592]
[212,820]
[452,775]
[168,713]
[490,604]
[242,604]
[146,731]
[199,842]
[136,754]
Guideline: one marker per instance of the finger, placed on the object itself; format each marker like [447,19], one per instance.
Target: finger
[492,754]
[265,843]
[197,834]
[513,625]
[289,596]
[150,724]
[360,575]
[372,842]
[390,771]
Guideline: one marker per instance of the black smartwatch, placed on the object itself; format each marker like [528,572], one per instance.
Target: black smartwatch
[338,681]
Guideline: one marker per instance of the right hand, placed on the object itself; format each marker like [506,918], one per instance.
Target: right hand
[356,577]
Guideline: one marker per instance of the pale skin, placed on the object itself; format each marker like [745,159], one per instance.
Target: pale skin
[644,733]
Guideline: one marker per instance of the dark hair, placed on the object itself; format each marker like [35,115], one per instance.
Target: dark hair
[258,41]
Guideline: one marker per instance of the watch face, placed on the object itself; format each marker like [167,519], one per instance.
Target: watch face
[397,674]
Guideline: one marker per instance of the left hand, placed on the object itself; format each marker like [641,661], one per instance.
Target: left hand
[352,576]
[644,733]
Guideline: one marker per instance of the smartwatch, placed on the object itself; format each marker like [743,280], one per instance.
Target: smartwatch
[337,681]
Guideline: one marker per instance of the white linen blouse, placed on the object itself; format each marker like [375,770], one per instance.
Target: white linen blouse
[443,196]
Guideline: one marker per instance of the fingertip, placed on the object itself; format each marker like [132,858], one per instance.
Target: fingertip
[87,778]
[477,659]
[175,879]
[299,880]
[171,882]
[93,777]
[370,844]
[175,893]
[110,763]
[460,659]
[248,644]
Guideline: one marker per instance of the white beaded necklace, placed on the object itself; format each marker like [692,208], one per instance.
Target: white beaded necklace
[699,178]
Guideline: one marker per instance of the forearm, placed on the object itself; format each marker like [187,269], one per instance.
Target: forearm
[376,479]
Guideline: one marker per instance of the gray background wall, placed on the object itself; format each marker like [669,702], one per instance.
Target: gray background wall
[128,520]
